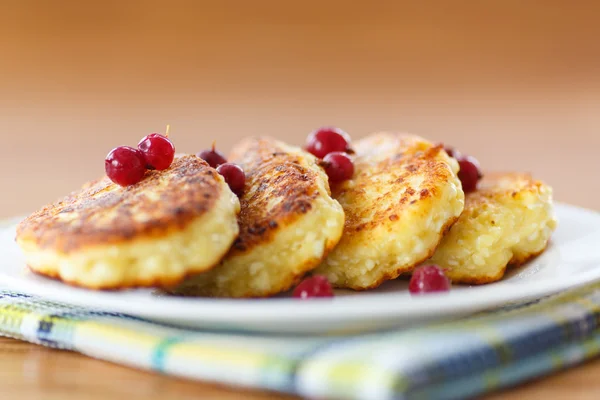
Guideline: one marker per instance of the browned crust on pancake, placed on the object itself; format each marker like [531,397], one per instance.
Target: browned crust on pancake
[397,176]
[498,185]
[390,275]
[402,156]
[272,175]
[103,213]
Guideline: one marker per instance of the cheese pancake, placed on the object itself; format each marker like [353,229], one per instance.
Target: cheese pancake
[404,195]
[288,223]
[173,223]
[507,220]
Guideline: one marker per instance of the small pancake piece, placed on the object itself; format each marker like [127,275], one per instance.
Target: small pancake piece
[404,195]
[173,223]
[288,224]
[507,221]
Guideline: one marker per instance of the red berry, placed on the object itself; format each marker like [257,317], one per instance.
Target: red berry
[213,157]
[327,140]
[338,166]
[158,151]
[234,176]
[315,286]
[469,174]
[428,278]
[125,165]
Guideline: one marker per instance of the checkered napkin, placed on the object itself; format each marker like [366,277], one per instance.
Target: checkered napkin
[451,360]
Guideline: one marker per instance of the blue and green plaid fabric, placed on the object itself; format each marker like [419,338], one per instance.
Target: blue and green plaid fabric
[450,360]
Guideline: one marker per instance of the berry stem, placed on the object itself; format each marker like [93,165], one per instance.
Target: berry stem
[167,130]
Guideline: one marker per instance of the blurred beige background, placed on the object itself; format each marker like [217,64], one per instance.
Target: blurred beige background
[516,83]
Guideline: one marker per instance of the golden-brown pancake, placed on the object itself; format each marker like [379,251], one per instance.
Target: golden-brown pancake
[288,223]
[173,223]
[404,195]
[507,221]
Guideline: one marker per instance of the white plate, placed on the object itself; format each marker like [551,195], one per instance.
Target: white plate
[572,259]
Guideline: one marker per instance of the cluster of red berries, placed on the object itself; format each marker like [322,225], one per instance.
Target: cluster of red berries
[232,173]
[126,166]
[470,170]
[333,146]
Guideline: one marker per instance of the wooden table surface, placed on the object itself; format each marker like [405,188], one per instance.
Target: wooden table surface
[516,83]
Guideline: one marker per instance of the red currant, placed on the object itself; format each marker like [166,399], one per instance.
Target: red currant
[327,140]
[158,151]
[125,165]
[428,278]
[338,166]
[234,176]
[469,174]
[213,157]
[315,286]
